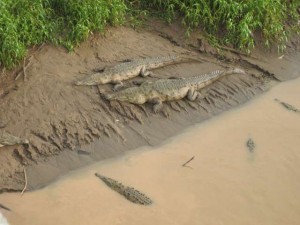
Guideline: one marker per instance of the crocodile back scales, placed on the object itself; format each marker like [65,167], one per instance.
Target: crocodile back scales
[129,193]
[168,89]
[9,139]
[127,70]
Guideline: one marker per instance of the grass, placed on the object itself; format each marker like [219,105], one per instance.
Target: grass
[25,23]
[234,22]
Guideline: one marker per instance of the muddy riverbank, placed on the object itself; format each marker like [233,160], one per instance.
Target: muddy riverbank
[226,182]
[69,127]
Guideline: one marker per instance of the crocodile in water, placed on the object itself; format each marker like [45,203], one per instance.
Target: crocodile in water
[127,70]
[130,193]
[288,106]
[250,144]
[9,139]
[162,90]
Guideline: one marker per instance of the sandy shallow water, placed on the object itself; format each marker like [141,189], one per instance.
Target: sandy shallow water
[226,184]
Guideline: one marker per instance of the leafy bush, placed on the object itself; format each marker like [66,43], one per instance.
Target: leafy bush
[235,21]
[24,23]
[78,19]
[11,48]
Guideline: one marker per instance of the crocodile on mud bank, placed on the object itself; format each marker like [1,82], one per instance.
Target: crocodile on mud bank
[127,70]
[9,139]
[162,90]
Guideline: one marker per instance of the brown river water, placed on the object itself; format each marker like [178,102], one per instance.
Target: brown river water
[225,184]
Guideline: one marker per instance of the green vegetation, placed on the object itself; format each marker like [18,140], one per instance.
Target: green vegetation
[25,23]
[234,21]
[76,19]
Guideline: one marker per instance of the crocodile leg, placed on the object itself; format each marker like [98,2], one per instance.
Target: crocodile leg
[192,95]
[138,82]
[157,104]
[145,73]
[118,85]
[98,70]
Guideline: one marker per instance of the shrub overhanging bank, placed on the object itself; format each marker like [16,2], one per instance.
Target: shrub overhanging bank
[234,22]
[24,23]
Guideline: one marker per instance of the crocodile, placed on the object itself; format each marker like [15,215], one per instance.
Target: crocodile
[250,144]
[162,90]
[129,193]
[130,69]
[9,139]
[288,106]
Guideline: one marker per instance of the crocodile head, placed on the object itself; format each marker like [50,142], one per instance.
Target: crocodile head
[84,82]
[95,79]
[20,141]
[131,95]
[8,139]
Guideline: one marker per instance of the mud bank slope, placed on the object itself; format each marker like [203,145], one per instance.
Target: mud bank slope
[226,183]
[70,126]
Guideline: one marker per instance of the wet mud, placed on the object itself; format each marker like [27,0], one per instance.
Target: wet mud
[204,175]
